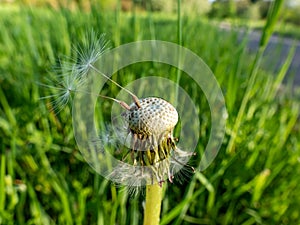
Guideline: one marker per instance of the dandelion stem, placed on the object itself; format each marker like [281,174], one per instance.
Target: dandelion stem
[153,204]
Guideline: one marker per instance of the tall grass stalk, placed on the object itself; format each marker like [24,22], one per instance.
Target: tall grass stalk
[266,35]
[7,109]
[179,42]
[117,30]
[2,180]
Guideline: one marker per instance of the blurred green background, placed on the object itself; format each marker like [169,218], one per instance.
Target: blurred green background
[255,177]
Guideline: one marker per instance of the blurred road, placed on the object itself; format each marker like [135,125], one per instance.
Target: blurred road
[275,53]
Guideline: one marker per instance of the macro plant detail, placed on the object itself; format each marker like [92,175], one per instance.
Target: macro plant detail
[145,133]
[72,158]
[151,121]
[144,136]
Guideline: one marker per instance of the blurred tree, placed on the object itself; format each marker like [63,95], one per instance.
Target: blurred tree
[187,6]
[263,8]
[291,14]
[252,9]
[232,8]
[220,9]
[293,3]
[200,7]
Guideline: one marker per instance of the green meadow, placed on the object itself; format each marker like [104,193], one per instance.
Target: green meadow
[45,180]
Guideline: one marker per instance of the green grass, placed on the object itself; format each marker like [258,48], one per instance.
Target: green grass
[45,180]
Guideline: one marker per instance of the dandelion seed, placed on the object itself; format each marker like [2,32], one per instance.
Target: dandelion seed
[71,74]
[87,54]
[62,90]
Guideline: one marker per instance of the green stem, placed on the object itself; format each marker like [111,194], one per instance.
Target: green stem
[179,23]
[153,204]
[179,37]
[2,182]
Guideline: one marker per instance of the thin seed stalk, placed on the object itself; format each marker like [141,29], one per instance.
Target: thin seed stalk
[153,204]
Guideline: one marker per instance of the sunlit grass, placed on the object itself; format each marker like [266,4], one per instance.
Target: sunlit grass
[46,180]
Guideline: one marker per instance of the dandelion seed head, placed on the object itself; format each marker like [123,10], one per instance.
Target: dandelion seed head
[153,148]
[154,116]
